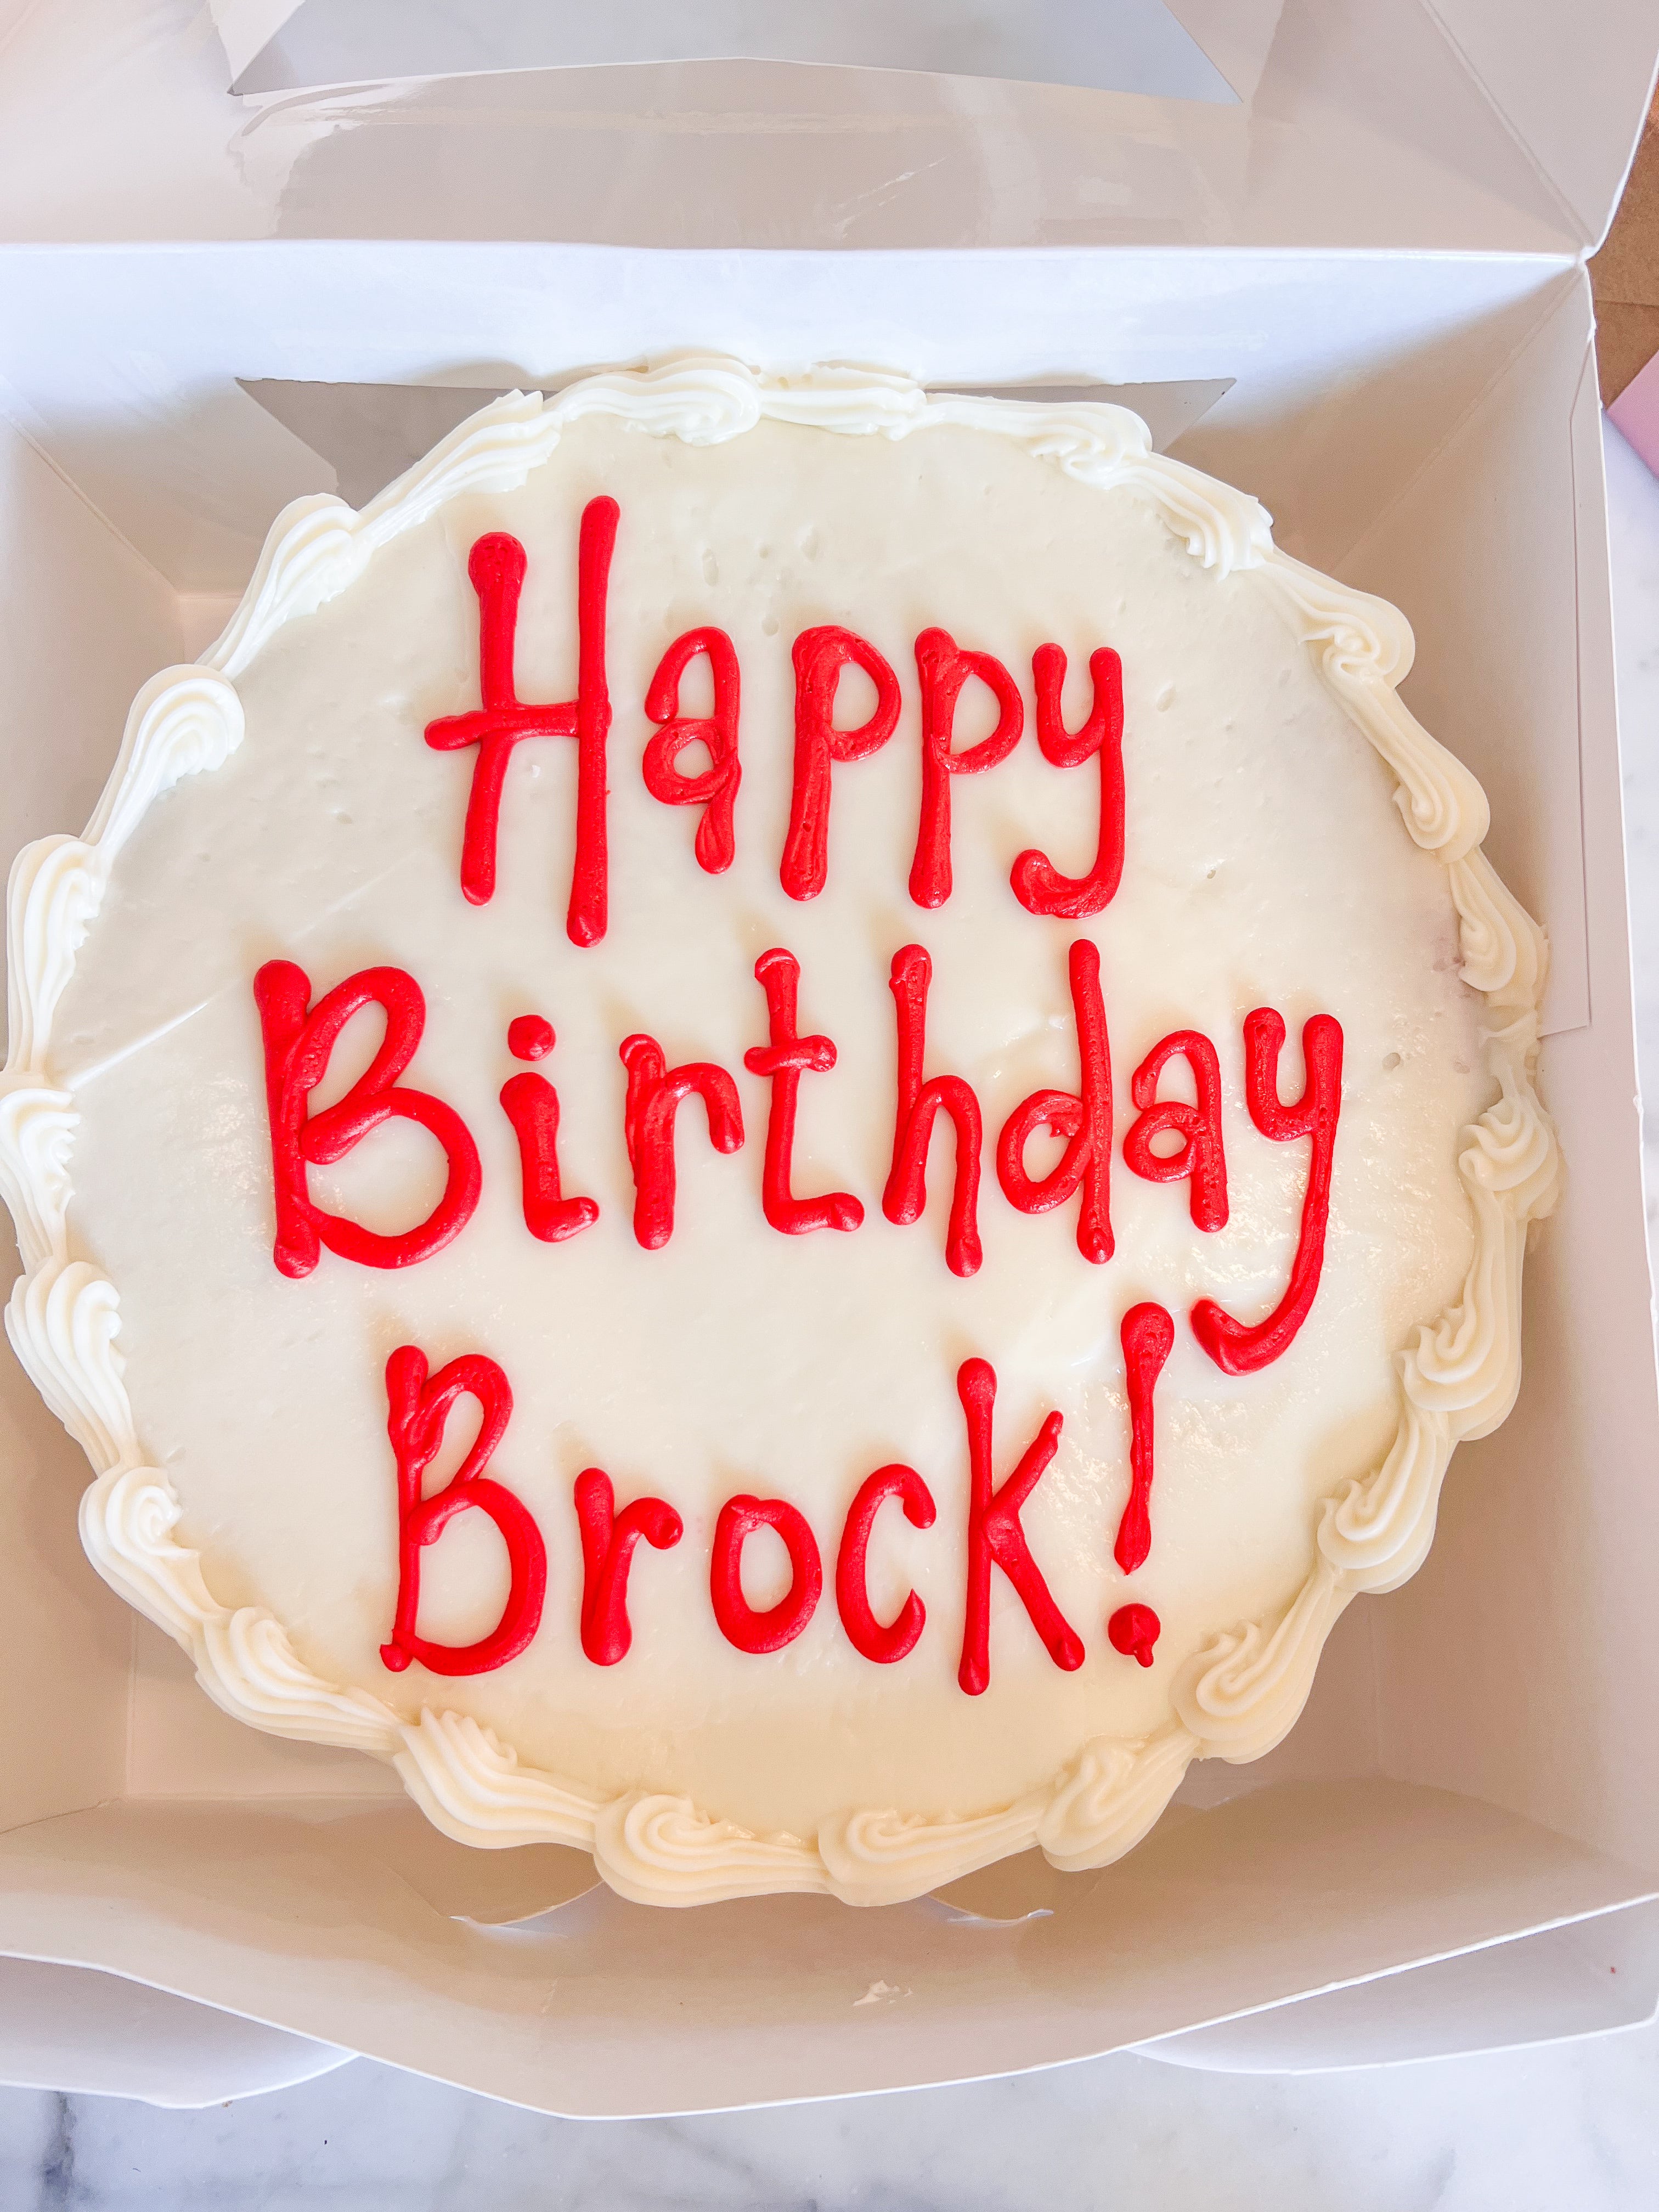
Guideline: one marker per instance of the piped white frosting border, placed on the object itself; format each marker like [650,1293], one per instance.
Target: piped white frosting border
[1233,1700]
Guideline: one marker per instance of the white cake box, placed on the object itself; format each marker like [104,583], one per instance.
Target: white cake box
[1375,255]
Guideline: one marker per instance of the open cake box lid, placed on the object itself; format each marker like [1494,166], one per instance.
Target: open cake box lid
[310,235]
[311,238]
[428,185]
[356,219]
[1473,125]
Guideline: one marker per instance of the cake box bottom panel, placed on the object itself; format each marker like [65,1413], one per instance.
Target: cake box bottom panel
[284,1913]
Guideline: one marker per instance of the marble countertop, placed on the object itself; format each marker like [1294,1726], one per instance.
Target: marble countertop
[1569,2127]
[1564,2128]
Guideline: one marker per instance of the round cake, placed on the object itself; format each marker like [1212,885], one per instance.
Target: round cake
[777,1128]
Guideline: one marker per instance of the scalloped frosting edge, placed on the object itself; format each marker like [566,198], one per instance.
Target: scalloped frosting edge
[1235,1699]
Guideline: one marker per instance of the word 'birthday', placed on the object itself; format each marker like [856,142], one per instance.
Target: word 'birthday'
[300,1040]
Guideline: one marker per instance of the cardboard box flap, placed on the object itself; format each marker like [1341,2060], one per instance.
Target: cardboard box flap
[245,28]
[1304,1887]
[124,366]
[1574,89]
[1133,45]
[368,433]
[1590,1976]
[1364,123]
[75,2029]
[1566,90]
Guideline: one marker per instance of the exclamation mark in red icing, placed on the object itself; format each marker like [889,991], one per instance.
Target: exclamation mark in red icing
[1134,1629]
[1147,1335]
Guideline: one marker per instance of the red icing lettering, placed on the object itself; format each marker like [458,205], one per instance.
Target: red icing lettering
[944,668]
[782,1623]
[715,789]
[1146,1333]
[609,1539]
[299,1042]
[531,1105]
[865,1632]
[1083,1118]
[919,1105]
[1201,1158]
[655,1092]
[529,1036]
[420,1411]
[496,566]
[1038,885]
[646,1065]
[994,1533]
[1238,1348]
[1133,1630]
[784,1060]
[820,655]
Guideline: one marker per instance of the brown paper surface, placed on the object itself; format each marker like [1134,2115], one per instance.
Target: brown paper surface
[1625,274]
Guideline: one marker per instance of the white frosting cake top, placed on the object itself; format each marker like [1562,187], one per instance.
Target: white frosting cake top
[552,1354]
